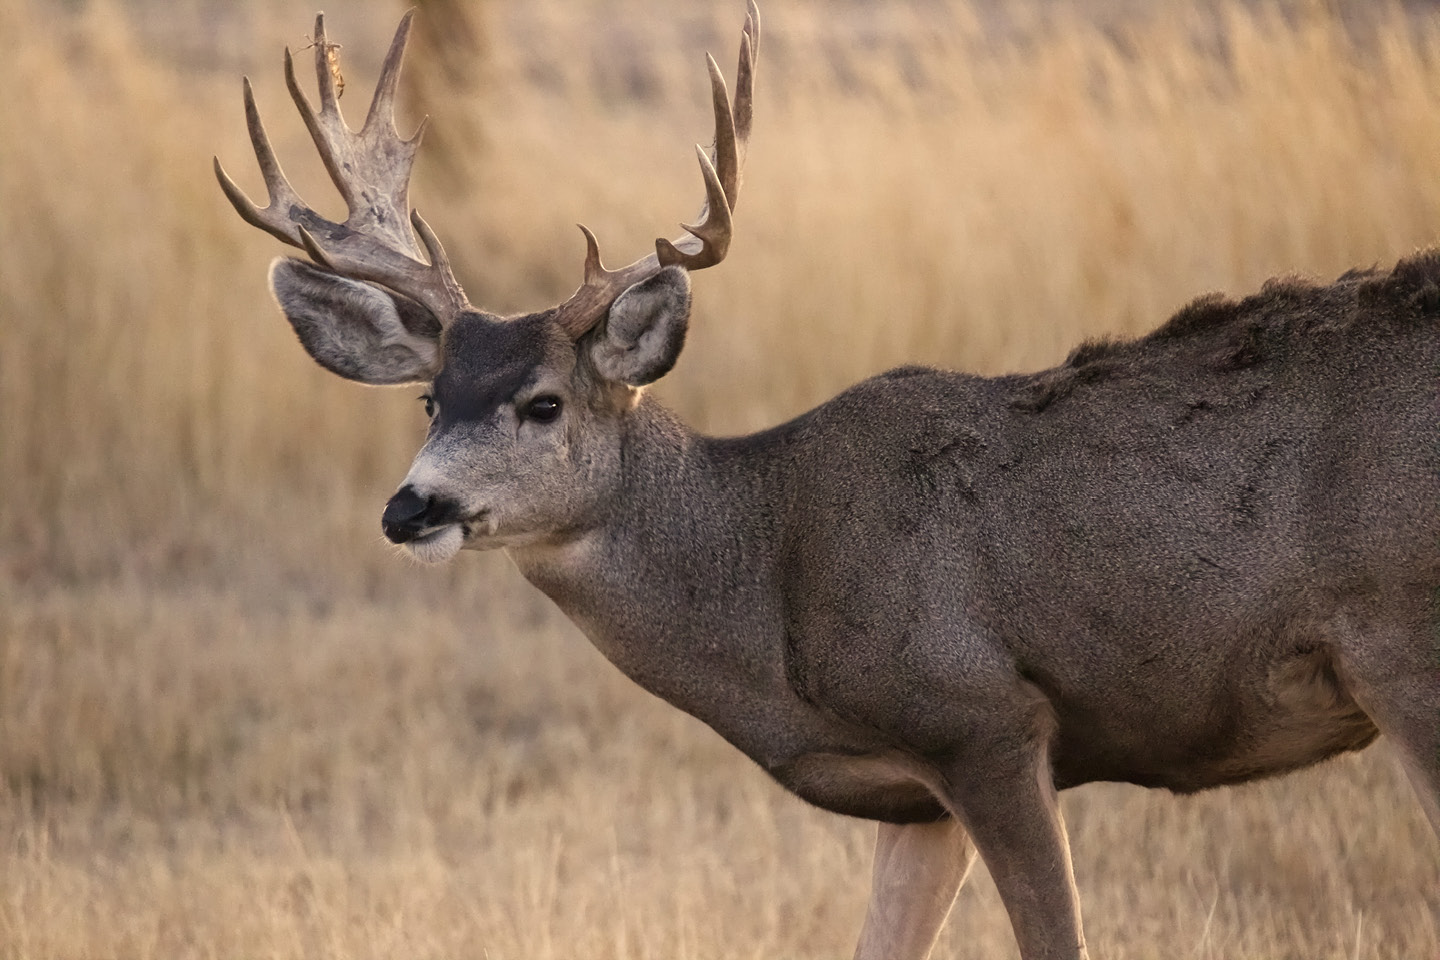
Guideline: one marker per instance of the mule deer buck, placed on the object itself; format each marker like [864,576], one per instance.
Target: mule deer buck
[1202,557]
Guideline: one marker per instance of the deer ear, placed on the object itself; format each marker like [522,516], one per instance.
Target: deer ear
[645,329]
[355,329]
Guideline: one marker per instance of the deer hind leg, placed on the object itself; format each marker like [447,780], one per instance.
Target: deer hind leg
[919,869]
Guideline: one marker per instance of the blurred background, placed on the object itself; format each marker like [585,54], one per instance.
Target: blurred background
[235,722]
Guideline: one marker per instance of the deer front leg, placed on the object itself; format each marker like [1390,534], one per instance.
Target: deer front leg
[918,871]
[1394,675]
[1012,812]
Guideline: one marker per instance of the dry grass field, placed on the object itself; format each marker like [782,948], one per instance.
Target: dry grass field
[234,723]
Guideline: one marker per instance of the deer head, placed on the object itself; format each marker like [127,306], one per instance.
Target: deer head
[526,412]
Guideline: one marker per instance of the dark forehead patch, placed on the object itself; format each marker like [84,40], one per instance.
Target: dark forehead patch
[486,361]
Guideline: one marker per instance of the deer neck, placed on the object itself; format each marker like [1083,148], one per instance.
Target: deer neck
[673,583]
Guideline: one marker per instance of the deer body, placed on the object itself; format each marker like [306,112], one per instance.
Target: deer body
[1163,565]
[1205,556]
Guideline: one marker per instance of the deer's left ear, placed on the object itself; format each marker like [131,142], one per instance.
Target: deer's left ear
[645,329]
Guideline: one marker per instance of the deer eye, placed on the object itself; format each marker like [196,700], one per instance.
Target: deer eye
[429,402]
[543,409]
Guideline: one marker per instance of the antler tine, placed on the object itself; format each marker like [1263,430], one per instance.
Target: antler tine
[708,241]
[371,170]
[723,153]
[439,260]
[744,109]
[324,79]
[382,105]
[272,219]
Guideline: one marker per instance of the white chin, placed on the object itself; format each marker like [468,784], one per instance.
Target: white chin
[438,546]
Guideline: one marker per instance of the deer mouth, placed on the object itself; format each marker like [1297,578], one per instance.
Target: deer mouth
[438,545]
[442,543]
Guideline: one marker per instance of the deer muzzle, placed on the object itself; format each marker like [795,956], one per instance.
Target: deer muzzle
[409,515]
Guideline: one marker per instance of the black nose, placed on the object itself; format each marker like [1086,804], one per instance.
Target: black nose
[406,515]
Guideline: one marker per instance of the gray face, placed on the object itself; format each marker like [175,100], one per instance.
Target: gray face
[524,443]
[517,444]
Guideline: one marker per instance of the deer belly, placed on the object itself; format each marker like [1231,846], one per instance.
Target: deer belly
[1295,714]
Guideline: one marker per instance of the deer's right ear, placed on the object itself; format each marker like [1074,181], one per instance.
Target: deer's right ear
[356,329]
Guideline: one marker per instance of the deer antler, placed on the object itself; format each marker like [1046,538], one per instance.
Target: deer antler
[371,170]
[708,240]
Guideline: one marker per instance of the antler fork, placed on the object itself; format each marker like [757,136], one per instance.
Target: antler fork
[371,169]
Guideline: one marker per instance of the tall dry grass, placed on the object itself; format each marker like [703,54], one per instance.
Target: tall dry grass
[233,724]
